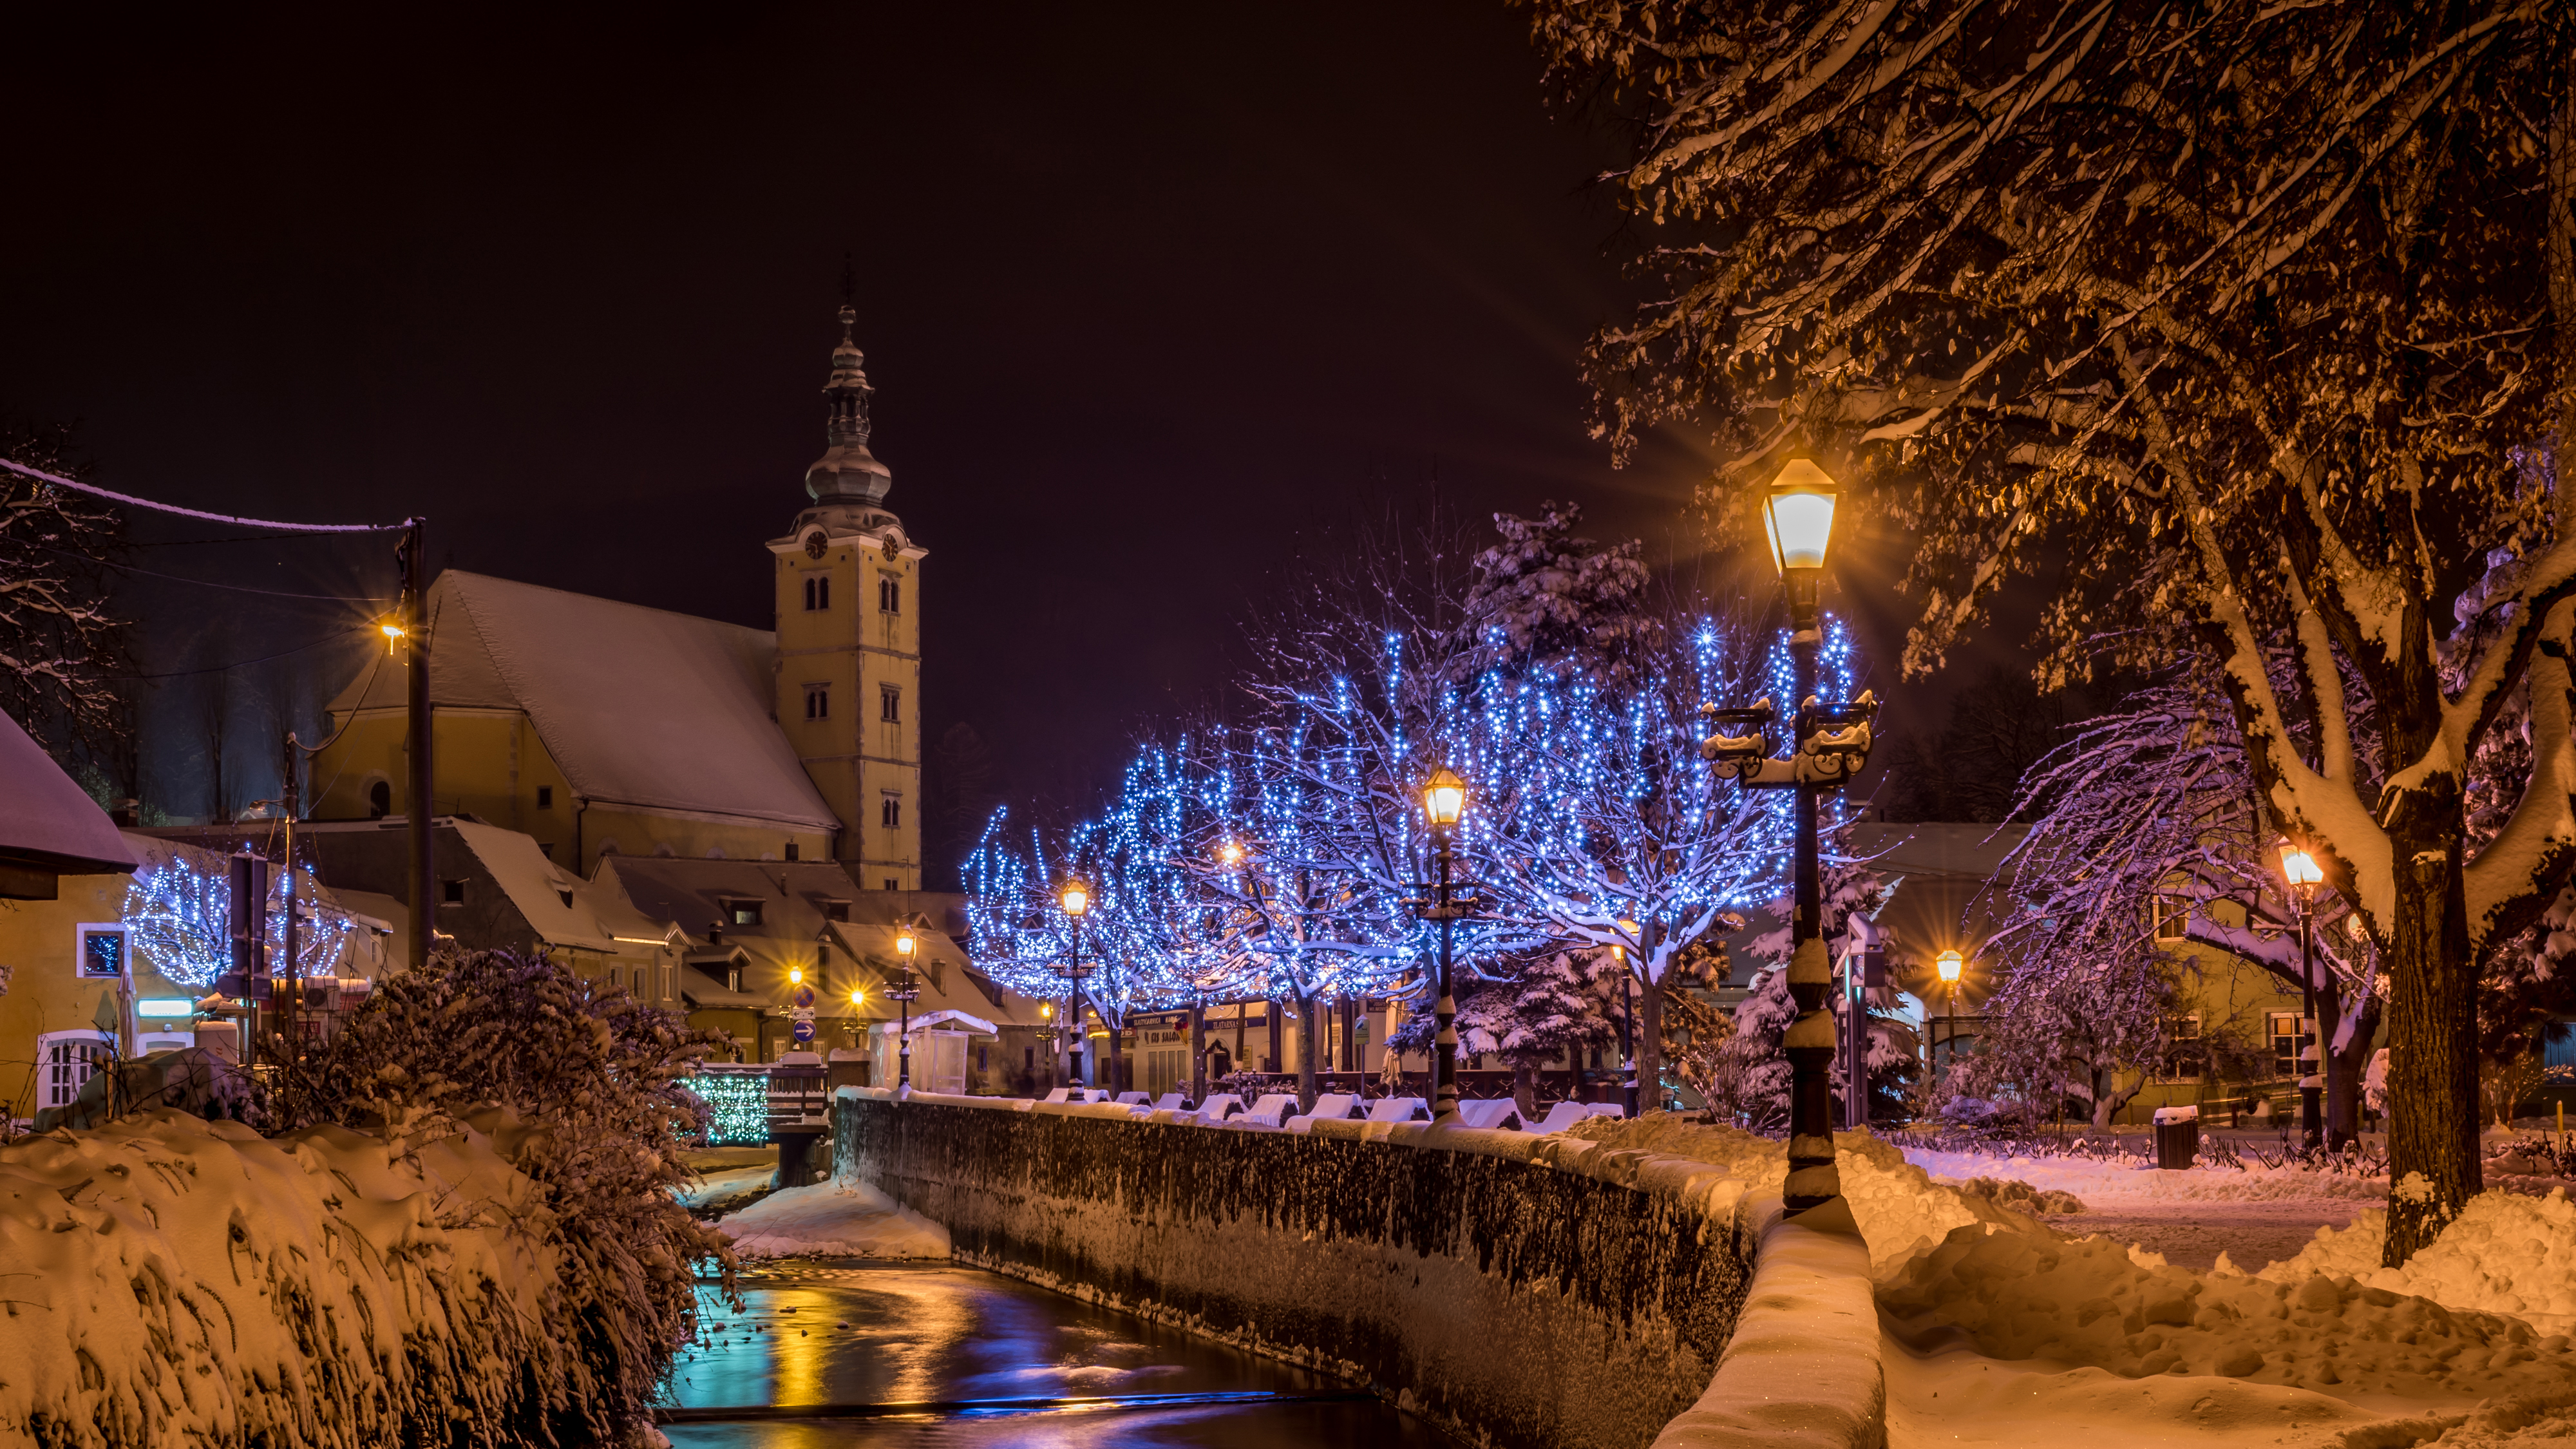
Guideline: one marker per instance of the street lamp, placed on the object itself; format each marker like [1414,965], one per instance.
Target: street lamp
[1830,743]
[2300,869]
[1950,964]
[1444,799]
[904,991]
[1075,897]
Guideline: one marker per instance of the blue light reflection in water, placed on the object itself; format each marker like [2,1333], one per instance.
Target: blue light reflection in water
[865,1335]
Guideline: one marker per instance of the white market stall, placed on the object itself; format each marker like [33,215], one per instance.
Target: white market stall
[939,1041]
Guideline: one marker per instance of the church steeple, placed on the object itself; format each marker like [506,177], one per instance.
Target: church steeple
[847,472]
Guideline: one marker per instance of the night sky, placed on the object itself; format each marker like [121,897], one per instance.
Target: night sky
[1152,296]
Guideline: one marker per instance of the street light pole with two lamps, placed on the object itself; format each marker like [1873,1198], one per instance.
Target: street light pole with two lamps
[1075,898]
[1444,799]
[1829,744]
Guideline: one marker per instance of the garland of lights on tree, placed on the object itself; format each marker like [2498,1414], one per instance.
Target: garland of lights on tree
[181,918]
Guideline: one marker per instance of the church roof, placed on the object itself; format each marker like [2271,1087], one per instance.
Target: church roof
[638,707]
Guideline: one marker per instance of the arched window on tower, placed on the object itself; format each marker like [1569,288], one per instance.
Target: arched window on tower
[818,591]
[890,595]
[380,800]
[890,814]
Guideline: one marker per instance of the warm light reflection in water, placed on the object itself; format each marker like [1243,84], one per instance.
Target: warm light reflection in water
[870,1336]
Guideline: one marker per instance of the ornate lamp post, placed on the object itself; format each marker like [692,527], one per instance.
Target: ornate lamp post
[1076,900]
[1950,964]
[1830,744]
[2300,869]
[905,989]
[1444,799]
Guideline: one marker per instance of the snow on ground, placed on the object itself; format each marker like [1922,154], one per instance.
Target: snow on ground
[714,1191]
[2507,1253]
[844,1217]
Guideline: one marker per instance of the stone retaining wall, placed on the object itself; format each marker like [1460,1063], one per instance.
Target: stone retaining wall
[1526,1291]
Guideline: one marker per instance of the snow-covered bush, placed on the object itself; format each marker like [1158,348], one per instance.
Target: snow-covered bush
[595,1076]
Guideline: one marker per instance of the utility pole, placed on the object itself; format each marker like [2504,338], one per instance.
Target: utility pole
[288,1013]
[415,623]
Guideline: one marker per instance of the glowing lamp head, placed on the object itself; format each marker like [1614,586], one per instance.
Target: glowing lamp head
[904,942]
[1046,1011]
[393,632]
[1076,898]
[1950,963]
[2298,867]
[858,997]
[1444,798]
[1799,516]
[795,975]
[1231,853]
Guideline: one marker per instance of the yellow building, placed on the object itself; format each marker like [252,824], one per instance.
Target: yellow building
[602,728]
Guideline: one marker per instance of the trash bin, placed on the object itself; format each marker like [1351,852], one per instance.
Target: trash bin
[2177,1137]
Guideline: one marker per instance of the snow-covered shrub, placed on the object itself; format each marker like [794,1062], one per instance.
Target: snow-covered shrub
[595,1077]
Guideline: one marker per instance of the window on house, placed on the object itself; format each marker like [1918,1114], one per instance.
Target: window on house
[818,701]
[836,910]
[2184,1058]
[545,797]
[743,913]
[818,591]
[451,892]
[890,595]
[733,979]
[546,850]
[890,813]
[2284,1029]
[791,850]
[2171,914]
[380,800]
[890,704]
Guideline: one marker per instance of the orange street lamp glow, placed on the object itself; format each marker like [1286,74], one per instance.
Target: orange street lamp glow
[1076,898]
[2299,867]
[1951,963]
[1444,798]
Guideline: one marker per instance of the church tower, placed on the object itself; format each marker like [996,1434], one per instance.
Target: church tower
[849,641]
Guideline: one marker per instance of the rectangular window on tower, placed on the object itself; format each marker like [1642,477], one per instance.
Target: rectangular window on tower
[890,814]
[818,701]
[818,591]
[890,704]
[890,595]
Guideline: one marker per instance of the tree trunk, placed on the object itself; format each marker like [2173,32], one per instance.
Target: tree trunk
[1117,1055]
[1525,1088]
[1198,1053]
[1306,1012]
[2432,1048]
[1650,1046]
[2344,1067]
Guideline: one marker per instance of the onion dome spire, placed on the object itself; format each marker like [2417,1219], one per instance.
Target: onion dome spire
[847,472]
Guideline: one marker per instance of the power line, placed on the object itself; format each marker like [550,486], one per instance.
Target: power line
[211,584]
[238,663]
[59,481]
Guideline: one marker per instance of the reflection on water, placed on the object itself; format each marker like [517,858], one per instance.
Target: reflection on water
[867,1338]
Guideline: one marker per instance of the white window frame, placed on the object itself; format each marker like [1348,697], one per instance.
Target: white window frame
[61,1072]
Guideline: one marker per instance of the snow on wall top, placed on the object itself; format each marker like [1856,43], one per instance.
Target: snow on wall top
[637,706]
[47,820]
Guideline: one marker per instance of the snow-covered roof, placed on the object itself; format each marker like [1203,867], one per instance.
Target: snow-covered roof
[940,1021]
[560,907]
[48,824]
[637,706]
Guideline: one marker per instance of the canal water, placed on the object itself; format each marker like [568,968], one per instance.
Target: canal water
[865,1354]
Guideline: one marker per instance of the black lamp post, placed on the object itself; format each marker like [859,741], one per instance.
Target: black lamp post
[2300,869]
[1830,744]
[1076,900]
[906,988]
[1951,965]
[1444,799]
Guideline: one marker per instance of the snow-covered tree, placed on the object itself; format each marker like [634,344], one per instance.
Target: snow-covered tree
[181,916]
[1548,602]
[59,641]
[2146,820]
[2249,322]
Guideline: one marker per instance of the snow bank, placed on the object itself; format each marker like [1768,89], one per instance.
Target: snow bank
[1900,1209]
[172,1280]
[2091,1302]
[845,1217]
[2506,1253]
[2105,1184]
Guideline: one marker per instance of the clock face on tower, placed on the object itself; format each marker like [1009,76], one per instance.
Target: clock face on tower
[815,543]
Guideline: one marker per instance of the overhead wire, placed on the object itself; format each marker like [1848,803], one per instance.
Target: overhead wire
[59,481]
[212,584]
[239,663]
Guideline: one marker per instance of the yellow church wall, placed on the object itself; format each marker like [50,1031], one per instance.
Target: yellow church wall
[491,764]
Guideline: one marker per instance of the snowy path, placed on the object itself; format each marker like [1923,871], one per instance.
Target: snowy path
[2257,1217]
